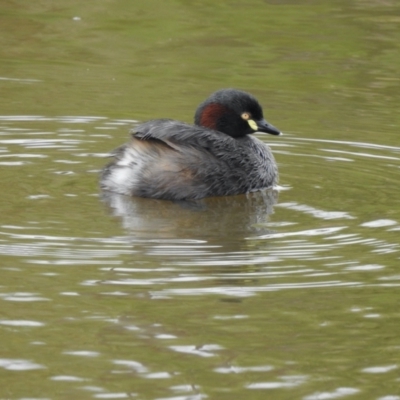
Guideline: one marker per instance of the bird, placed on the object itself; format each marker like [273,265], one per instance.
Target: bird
[217,156]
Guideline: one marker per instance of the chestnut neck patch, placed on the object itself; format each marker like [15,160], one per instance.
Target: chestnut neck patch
[211,114]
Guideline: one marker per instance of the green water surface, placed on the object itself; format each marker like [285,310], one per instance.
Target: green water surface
[295,297]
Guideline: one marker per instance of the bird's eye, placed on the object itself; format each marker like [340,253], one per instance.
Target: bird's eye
[246,116]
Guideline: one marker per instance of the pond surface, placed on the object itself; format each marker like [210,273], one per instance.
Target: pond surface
[291,293]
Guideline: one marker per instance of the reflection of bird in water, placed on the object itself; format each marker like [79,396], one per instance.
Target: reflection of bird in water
[230,217]
[217,156]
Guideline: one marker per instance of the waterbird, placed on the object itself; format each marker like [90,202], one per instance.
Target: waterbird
[217,156]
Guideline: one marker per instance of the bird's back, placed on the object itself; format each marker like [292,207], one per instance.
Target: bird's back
[168,159]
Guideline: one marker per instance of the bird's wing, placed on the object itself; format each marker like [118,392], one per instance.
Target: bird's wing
[179,135]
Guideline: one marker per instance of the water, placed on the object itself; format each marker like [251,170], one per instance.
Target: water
[286,294]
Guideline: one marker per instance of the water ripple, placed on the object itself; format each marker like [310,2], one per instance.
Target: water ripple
[22,323]
[19,365]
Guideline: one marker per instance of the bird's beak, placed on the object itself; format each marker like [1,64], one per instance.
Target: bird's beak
[264,126]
